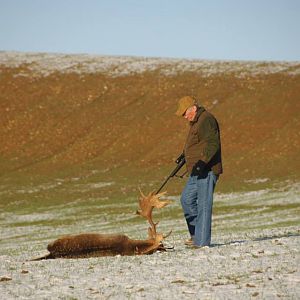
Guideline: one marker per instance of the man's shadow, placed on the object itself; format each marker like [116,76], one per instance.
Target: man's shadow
[264,238]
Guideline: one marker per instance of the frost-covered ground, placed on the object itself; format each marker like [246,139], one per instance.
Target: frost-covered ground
[240,268]
[255,252]
[43,64]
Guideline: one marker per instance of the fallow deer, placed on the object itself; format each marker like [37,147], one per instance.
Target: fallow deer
[93,245]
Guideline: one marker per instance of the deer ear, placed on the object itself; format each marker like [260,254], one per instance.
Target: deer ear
[167,235]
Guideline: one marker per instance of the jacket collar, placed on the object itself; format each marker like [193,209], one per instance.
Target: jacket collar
[200,110]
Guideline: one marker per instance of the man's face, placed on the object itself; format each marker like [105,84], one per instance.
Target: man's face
[190,113]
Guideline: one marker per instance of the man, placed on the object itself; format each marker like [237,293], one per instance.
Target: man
[202,153]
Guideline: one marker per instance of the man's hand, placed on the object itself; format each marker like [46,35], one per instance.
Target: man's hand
[199,169]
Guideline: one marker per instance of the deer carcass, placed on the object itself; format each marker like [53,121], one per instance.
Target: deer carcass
[93,244]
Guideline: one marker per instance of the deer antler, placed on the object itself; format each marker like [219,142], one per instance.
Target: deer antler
[147,203]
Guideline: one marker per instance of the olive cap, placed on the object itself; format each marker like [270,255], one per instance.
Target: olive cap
[184,103]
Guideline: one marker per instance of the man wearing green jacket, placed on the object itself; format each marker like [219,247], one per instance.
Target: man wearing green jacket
[202,153]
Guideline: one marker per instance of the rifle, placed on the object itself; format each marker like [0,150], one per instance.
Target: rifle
[180,161]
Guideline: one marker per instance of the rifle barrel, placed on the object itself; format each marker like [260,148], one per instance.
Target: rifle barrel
[164,183]
[173,173]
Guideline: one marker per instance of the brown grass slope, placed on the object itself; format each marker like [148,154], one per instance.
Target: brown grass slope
[67,119]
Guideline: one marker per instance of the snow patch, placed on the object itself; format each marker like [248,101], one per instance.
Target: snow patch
[44,64]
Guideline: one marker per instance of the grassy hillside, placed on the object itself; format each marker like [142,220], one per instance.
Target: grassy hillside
[64,114]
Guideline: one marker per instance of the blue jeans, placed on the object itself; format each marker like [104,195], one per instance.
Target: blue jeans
[197,202]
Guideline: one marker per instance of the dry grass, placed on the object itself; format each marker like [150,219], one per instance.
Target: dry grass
[81,115]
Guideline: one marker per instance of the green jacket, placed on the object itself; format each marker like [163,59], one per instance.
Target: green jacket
[202,149]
